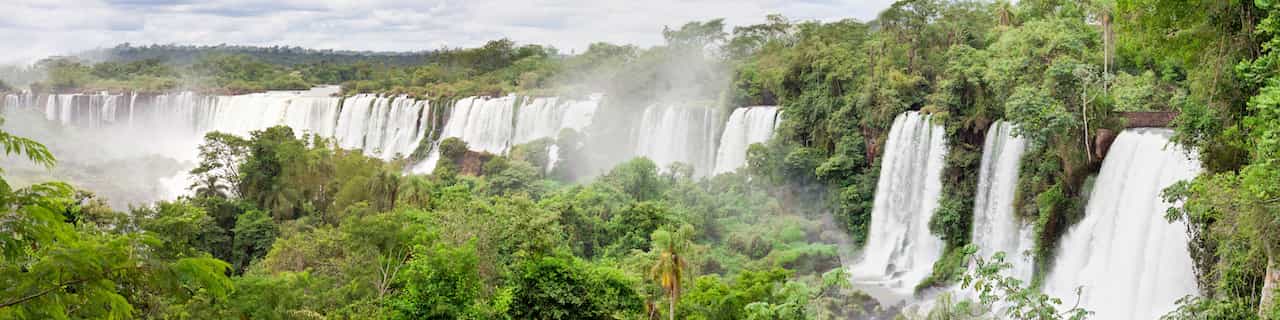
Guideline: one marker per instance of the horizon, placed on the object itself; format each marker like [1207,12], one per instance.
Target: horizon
[40,29]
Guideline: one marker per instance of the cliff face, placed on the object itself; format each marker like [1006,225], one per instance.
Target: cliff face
[473,163]
[1104,137]
[1149,119]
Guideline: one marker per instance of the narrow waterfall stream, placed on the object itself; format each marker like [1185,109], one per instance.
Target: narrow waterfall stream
[996,226]
[900,250]
[1129,262]
[676,133]
[746,126]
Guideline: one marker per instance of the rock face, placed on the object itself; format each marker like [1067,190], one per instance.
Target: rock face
[1102,143]
[1104,137]
[1149,119]
[473,163]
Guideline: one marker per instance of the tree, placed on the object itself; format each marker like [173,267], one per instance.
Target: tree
[669,270]
[638,177]
[275,157]
[254,234]
[695,35]
[569,288]
[219,168]
[440,283]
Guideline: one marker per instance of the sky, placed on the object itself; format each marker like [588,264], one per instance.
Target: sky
[33,29]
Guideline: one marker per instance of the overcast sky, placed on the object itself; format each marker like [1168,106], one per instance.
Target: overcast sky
[32,29]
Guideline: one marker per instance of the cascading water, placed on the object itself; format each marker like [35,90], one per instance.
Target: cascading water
[541,118]
[173,124]
[485,124]
[350,129]
[900,250]
[669,134]
[996,226]
[746,126]
[1129,261]
[495,124]
[406,125]
[309,111]
[384,127]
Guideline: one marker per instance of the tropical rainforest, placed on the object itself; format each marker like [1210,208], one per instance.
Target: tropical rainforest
[285,225]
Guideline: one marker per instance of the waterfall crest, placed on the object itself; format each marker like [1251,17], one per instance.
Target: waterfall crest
[304,111]
[1130,261]
[996,226]
[900,250]
[746,126]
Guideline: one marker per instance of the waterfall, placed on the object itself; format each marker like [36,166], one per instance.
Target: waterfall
[746,126]
[541,118]
[537,118]
[309,112]
[10,101]
[383,127]
[494,125]
[900,250]
[350,129]
[996,226]
[1129,260]
[486,124]
[402,130]
[172,125]
[669,134]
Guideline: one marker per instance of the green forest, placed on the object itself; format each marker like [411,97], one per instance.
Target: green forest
[288,226]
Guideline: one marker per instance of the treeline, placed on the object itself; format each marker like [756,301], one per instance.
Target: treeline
[277,55]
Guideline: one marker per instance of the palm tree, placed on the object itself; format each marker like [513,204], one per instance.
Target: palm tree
[415,191]
[669,270]
[210,187]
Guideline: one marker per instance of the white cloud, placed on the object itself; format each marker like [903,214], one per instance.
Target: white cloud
[33,29]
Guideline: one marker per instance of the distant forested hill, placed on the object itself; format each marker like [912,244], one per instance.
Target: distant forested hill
[277,55]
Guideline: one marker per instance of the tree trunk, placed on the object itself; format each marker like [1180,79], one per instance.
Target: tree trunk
[1084,111]
[671,307]
[1269,288]
[1106,49]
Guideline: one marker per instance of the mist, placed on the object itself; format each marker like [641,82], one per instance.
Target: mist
[121,165]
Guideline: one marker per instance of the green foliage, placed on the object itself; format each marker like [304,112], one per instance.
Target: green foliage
[60,268]
[637,178]
[1000,296]
[440,283]
[568,288]
[30,149]
[1143,92]
[254,234]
